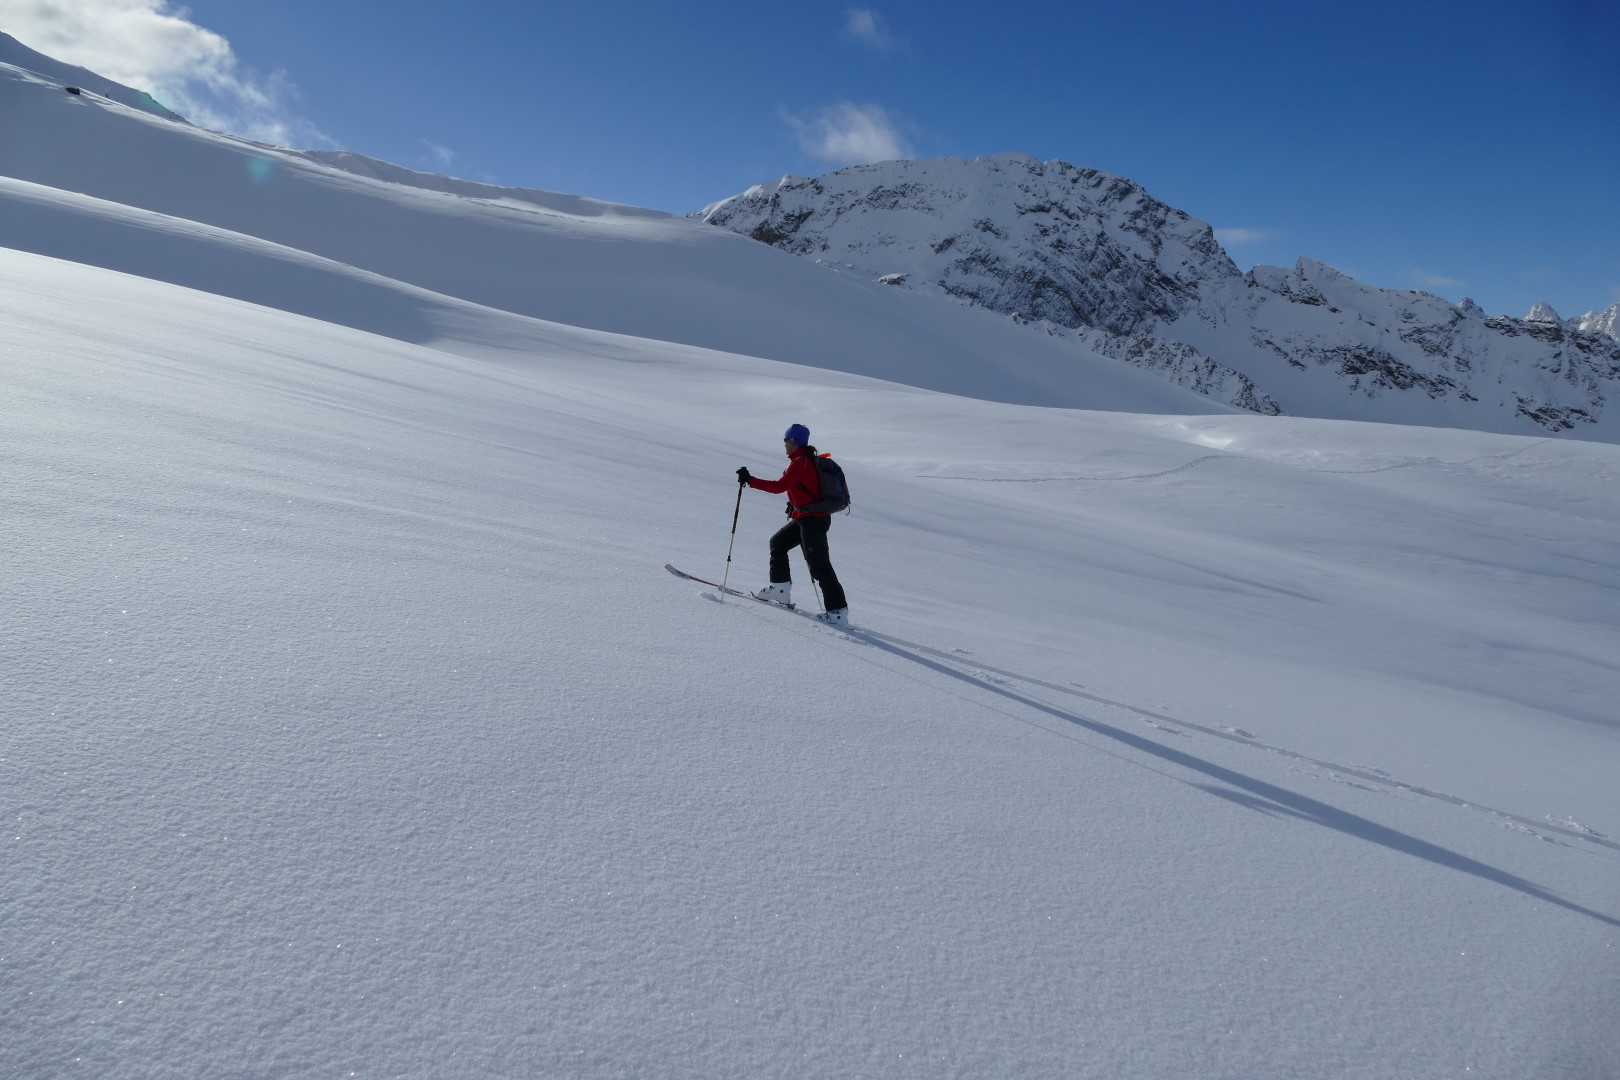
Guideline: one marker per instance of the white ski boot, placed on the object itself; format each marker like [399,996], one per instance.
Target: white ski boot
[838,617]
[777,592]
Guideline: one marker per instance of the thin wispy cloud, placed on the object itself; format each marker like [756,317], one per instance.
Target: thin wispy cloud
[1238,236]
[443,157]
[1431,280]
[849,134]
[869,28]
[154,46]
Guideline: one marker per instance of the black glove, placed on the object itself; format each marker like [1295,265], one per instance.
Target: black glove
[743,476]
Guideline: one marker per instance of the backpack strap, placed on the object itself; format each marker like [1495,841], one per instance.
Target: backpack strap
[814,495]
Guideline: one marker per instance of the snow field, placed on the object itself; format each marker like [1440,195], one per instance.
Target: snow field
[356,727]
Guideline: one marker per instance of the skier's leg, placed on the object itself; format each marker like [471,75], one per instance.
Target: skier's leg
[785,540]
[813,533]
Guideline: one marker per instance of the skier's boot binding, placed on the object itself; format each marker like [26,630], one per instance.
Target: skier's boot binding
[777,592]
[838,617]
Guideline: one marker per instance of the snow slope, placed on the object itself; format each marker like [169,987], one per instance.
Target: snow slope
[353,727]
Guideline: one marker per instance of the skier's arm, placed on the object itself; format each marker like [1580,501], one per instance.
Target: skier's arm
[775,487]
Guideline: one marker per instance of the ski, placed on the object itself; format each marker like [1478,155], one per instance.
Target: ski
[729,591]
[967,664]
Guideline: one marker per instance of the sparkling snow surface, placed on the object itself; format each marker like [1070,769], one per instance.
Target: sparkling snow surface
[352,726]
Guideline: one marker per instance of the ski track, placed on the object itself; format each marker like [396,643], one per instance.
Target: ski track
[1229,784]
[999,679]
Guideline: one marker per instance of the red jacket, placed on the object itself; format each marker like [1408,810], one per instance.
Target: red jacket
[800,481]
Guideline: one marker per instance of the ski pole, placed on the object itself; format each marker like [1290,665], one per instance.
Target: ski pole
[733,543]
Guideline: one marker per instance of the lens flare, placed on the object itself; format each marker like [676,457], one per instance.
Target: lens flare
[260,168]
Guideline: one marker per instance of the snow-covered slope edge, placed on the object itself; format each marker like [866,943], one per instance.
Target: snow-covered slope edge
[60,77]
[1094,254]
[552,257]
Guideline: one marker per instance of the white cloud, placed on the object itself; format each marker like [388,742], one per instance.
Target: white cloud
[1239,236]
[868,27]
[849,134]
[154,46]
[442,156]
[1432,281]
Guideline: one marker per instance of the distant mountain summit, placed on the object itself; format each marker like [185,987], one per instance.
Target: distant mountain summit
[1606,322]
[1085,253]
[1078,247]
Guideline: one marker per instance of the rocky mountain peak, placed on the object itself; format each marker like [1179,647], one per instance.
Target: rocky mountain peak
[1082,251]
[1605,322]
[1046,240]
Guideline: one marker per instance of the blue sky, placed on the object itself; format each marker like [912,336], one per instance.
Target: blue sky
[1466,149]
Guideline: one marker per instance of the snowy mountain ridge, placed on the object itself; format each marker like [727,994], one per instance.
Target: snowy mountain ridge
[1089,254]
[1606,322]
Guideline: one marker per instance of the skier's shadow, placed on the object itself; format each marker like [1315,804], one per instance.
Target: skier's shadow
[1257,794]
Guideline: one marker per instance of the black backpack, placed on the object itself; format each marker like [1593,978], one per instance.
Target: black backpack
[834,488]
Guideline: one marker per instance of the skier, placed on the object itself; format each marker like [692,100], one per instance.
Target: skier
[802,486]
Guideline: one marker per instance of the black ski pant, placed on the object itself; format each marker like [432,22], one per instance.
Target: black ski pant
[809,533]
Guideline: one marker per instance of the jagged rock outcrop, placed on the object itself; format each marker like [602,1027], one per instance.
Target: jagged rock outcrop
[1093,254]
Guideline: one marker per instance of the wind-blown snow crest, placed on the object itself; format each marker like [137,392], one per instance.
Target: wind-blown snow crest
[25,63]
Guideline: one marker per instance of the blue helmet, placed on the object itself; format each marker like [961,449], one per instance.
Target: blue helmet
[798,433]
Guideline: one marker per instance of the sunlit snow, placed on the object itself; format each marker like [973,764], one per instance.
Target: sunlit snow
[352,725]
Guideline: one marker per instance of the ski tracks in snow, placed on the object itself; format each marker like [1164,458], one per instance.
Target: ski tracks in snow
[1022,700]
[1362,777]
[1017,687]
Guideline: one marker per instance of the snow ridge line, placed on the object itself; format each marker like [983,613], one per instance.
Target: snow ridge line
[1414,462]
[1409,463]
[1059,479]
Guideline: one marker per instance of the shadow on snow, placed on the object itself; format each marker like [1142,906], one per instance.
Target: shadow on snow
[1240,789]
